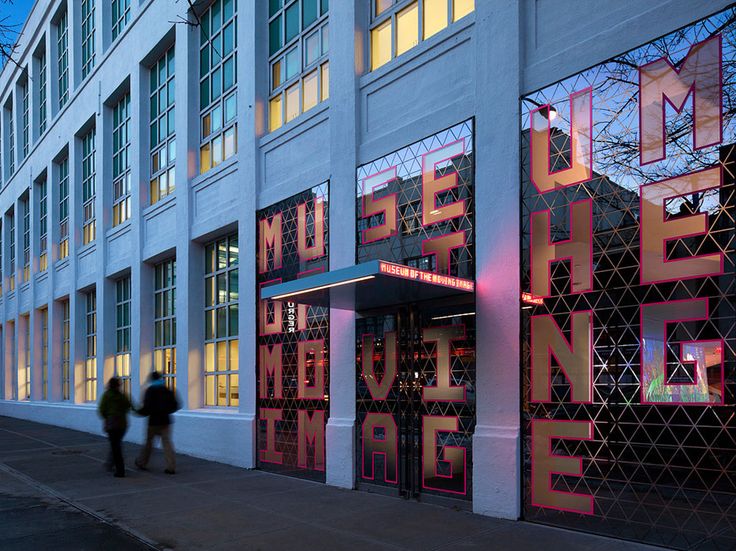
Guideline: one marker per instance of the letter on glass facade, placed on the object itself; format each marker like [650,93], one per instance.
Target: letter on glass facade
[703,355]
[443,390]
[432,185]
[441,247]
[578,249]
[271,366]
[575,357]
[269,454]
[386,205]
[657,230]
[546,464]
[311,354]
[581,144]
[443,469]
[385,445]
[270,239]
[379,389]
[659,81]
[311,430]
[318,247]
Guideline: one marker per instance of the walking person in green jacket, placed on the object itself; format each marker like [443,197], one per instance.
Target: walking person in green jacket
[113,408]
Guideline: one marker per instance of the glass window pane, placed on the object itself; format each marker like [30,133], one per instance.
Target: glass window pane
[222,322]
[227,9]
[228,39]
[274,6]
[230,141]
[233,321]
[292,64]
[221,288]
[309,12]
[204,93]
[216,83]
[325,39]
[382,5]
[209,324]
[274,36]
[435,17]
[210,391]
[216,118]
[407,29]
[217,151]
[209,259]
[380,45]
[292,22]
[222,390]
[221,254]
[234,251]
[311,48]
[276,74]
[209,291]
[233,285]
[234,355]
[222,356]
[205,159]
[325,4]
[310,90]
[461,8]
[292,102]
[274,113]
[325,81]
[230,108]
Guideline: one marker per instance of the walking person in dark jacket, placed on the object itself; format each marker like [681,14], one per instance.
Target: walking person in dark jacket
[158,404]
[113,408]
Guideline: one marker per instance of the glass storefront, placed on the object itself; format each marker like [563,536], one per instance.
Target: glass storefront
[415,361]
[627,293]
[293,339]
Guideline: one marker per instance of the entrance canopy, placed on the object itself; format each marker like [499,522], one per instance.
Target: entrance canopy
[369,285]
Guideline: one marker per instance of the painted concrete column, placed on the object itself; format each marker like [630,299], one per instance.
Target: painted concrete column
[251,37]
[344,64]
[496,442]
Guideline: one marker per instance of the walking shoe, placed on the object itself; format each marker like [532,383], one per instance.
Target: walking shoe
[140,465]
[170,471]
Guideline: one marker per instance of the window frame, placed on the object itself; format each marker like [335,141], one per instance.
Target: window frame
[26,203]
[62,59]
[212,339]
[44,313]
[121,173]
[88,36]
[163,149]
[123,330]
[164,313]
[42,93]
[62,168]
[25,118]
[120,18]
[90,353]
[89,192]
[66,350]
[11,239]
[278,92]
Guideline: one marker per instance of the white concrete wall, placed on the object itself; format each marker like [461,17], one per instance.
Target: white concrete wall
[479,67]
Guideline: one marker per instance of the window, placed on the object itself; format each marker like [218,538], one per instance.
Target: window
[164,322]
[221,322]
[24,368]
[25,142]
[90,358]
[11,244]
[10,137]
[62,59]
[162,131]
[63,173]
[120,16]
[122,332]
[42,94]
[89,228]
[88,36]
[44,313]
[398,25]
[217,80]
[298,41]
[1,257]
[121,161]
[65,352]
[26,203]
[42,226]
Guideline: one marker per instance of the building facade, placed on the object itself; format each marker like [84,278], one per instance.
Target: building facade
[479,253]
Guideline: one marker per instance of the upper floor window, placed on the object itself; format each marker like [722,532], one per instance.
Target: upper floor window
[217,80]
[63,173]
[221,322]
[89,226]
[162,129]
[11,251]
[42,92]
[122,332]
[298,42]
[10,137]
[121,161]
[26,204]
[164,322]
[25,119]
[62,59]
[120,16]
[43,225]
[65,351]
[399,25]
[88,36]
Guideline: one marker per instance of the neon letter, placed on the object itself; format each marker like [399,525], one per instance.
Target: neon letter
[386,446]
[379,390]
[453,480]
[444,390]
[699,73]
[431,185]
[270,237]
[441,247]
[270,361]
[385,205]
[270,455]
[581,144]
[315,391]
[318,248]
[578,249]
[545,463]
[311,430]
[656,230]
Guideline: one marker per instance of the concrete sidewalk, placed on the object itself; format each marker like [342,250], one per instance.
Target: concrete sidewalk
[75,504]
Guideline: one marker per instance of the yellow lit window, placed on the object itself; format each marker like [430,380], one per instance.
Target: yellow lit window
[205,158]
[276,74]
[461,8]
[310,90]
[292,102]
[435,17]
[274,110]
[381,45]
[325,81]
[407,29]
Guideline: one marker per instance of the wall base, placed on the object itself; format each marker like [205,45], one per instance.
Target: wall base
[496,472]
[340,444]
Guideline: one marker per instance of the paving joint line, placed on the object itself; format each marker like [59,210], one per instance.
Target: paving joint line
[81,507]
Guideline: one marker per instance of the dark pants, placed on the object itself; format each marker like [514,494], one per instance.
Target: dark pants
[116,449]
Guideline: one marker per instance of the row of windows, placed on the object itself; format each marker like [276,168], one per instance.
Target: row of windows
[220,337]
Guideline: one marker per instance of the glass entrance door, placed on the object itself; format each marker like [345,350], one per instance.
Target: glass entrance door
[415,370]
